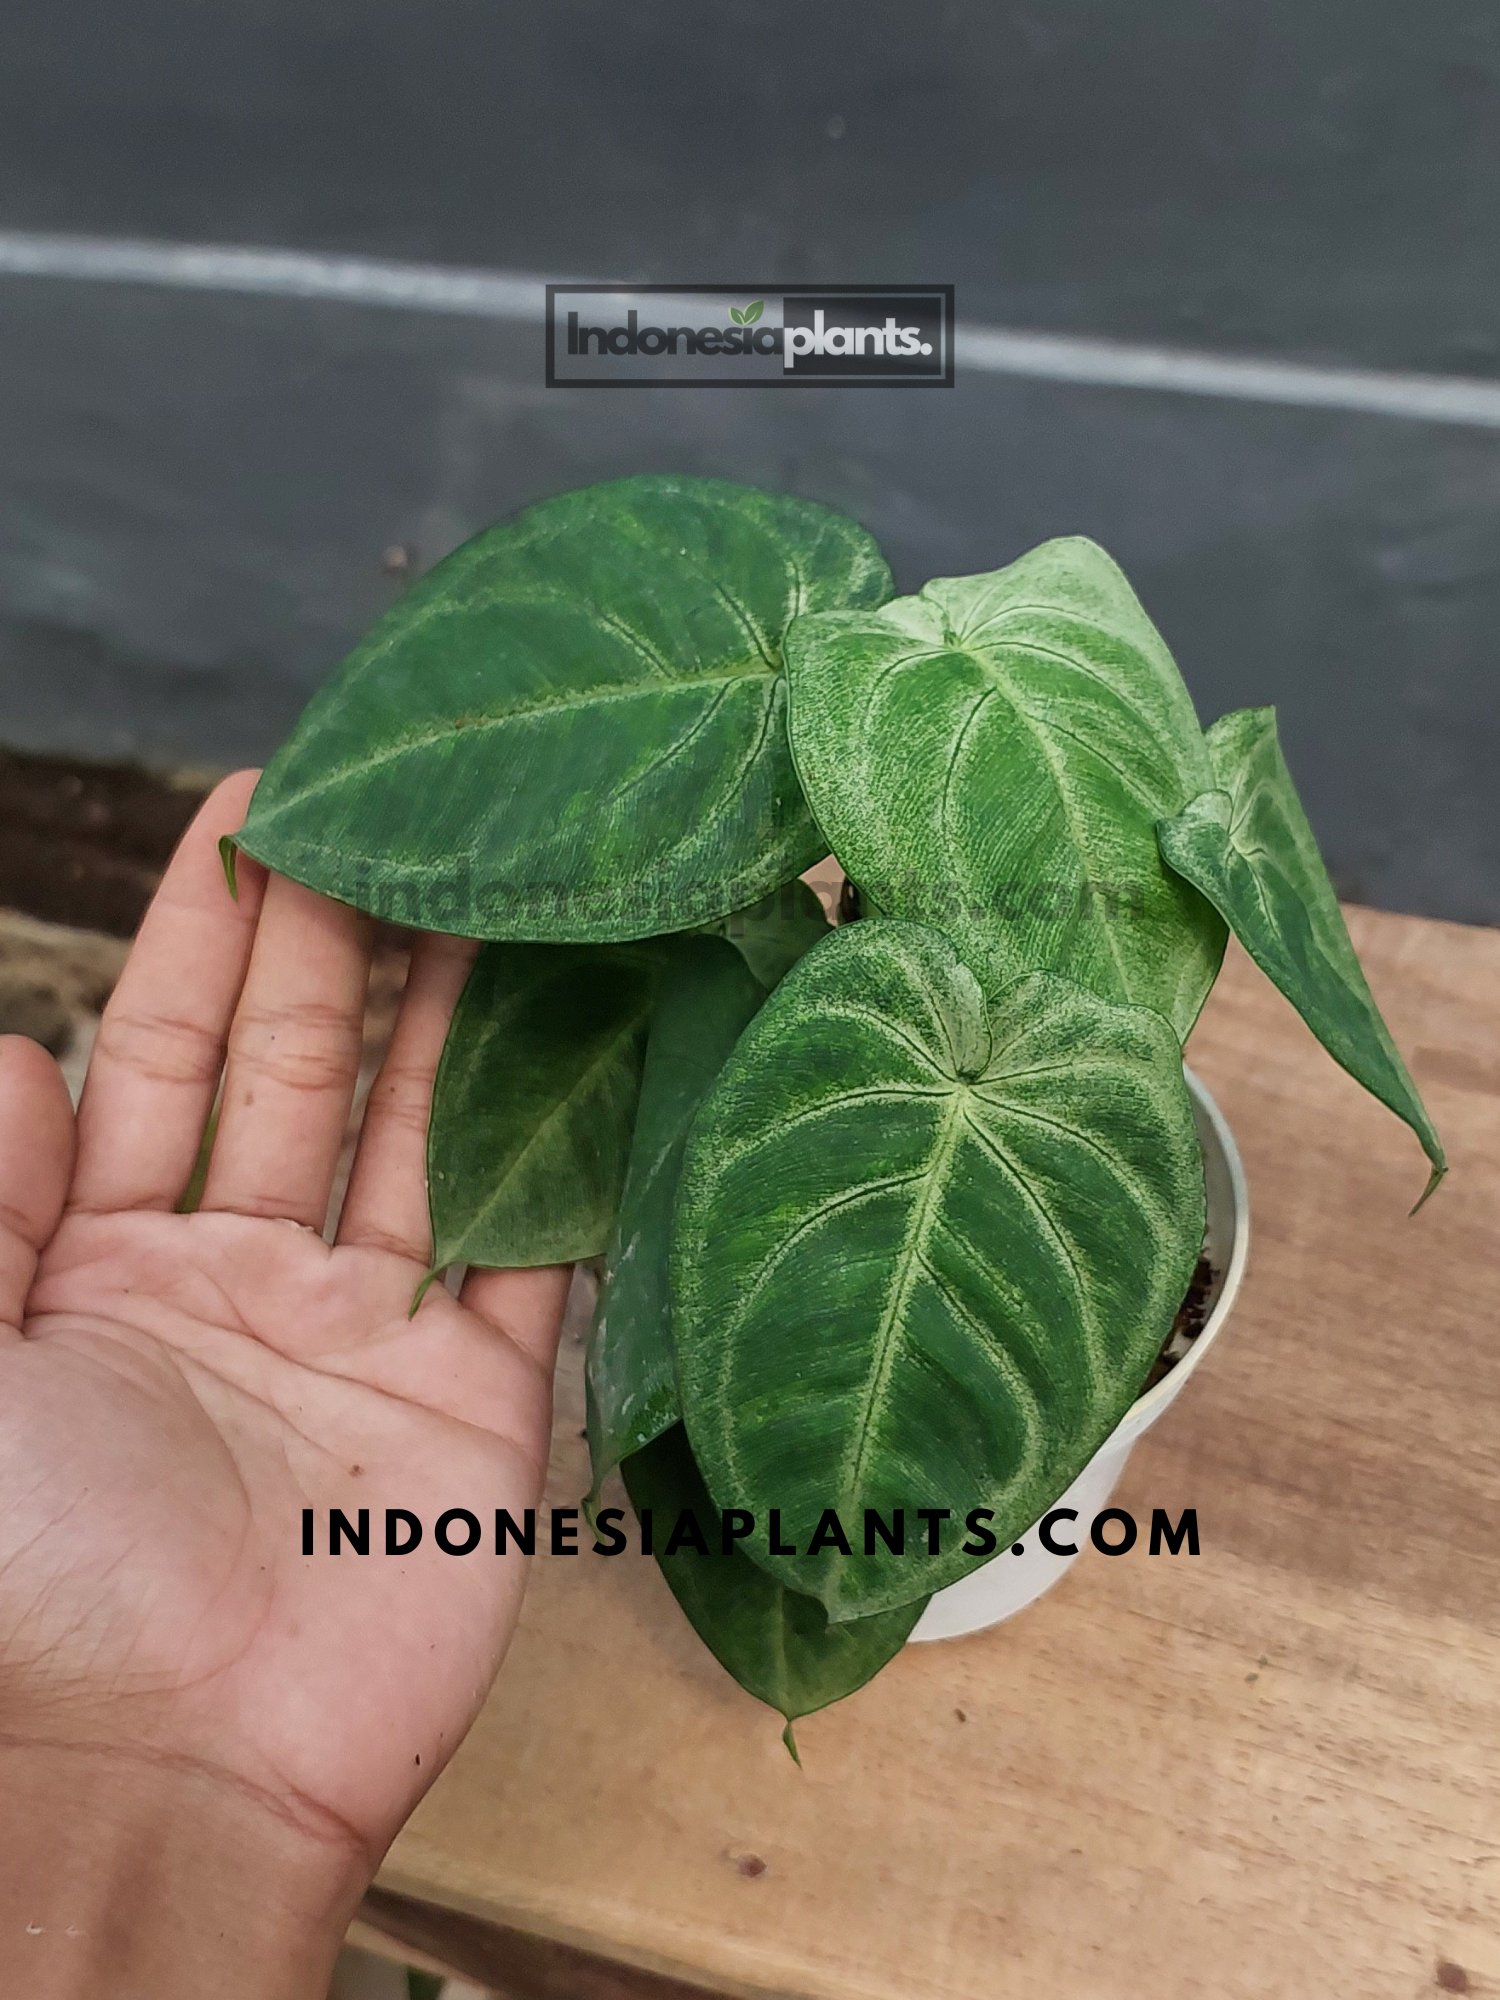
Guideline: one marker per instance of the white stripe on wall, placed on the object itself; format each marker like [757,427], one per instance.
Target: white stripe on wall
[284,274]
[521,296]
[1063,357]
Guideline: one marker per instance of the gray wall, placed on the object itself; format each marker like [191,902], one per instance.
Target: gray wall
[195,490]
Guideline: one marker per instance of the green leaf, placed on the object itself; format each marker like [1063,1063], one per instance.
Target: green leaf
[574,728]
[707,996]
[753,311]
[774,933]
[778,1644]
[534,1101]
[993,755]
[1248,847]
[927,1249]
[736,315]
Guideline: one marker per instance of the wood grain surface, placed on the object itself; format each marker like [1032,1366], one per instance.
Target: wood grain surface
[1272,1770]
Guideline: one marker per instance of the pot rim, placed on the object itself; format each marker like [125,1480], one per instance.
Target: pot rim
[1147,1408]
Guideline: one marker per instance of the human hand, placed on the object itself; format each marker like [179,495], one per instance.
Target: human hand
[196,1718]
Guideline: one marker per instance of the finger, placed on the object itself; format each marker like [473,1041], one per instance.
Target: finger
[386,1206]
[36,1159]
[526,1306]
[293,1060]
[160,1047]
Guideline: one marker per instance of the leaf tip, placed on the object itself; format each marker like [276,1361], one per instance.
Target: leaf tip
[229,855]
[1434,1182]
[790,1740]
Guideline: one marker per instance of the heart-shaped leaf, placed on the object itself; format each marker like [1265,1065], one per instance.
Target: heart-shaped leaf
[778,1644]
[706,997]
[574,728]
[775,932]
[1248,848]
[927,1248]
[534,1101]
[992,756]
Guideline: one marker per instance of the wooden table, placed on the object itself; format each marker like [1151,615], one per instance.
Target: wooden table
[1273,1770]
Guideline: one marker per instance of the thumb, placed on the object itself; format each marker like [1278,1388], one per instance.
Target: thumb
[36,1164]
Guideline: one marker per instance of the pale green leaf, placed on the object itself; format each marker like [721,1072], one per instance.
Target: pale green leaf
[706,997]
[927,1249]
[574,727]
[992,757]
[1247,846]
[777,1643]
[534,1102]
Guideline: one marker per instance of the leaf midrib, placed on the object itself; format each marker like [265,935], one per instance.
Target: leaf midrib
[413,746]
[1068,805]
[909,1262]
[1002,685]
[631,1027]
[846,1198]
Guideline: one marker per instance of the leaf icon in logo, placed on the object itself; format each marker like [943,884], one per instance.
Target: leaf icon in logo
[752,312]
[736,315]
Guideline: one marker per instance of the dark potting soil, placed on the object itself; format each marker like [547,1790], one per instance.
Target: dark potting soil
[1192,1317]
[84,844]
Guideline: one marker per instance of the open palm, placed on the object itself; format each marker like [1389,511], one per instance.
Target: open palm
[176,1389]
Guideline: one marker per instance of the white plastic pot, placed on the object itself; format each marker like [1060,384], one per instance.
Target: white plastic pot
[1009,1582]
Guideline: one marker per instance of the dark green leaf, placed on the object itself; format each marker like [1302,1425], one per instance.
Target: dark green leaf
[707,996]
[574,728]
[778,1644]
[775,932]
[993,755]
[753,311]
[927,1248]
[1248,847]
[534,1101]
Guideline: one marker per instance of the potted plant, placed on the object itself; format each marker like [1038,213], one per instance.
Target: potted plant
[898,1216]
